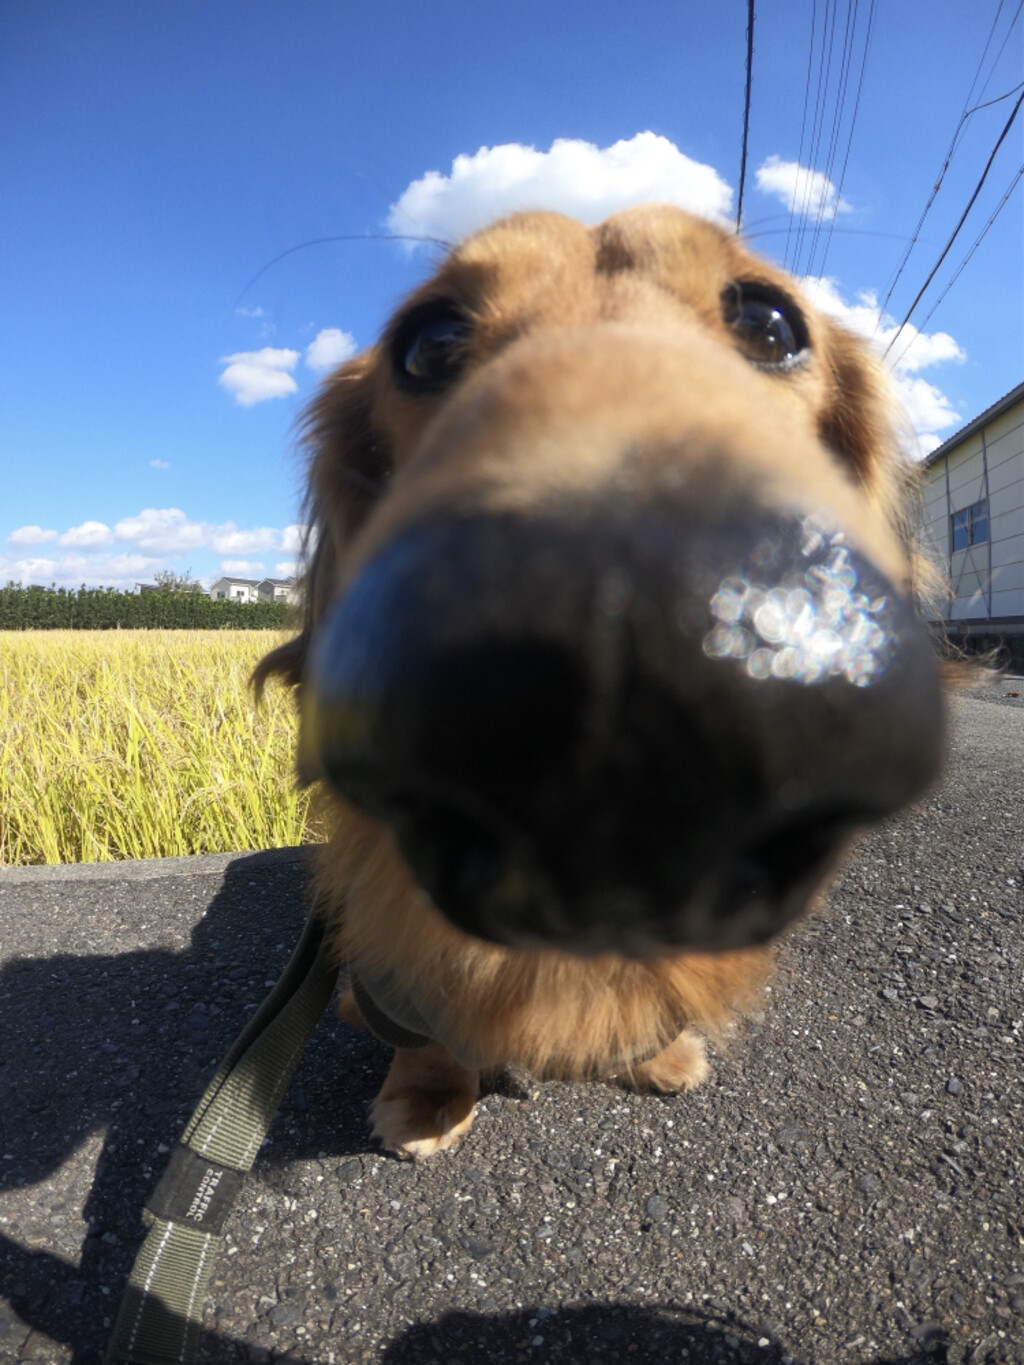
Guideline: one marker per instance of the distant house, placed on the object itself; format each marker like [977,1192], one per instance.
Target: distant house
[974,519]
[278,590]
[235,589]
[255,589]
[140,588]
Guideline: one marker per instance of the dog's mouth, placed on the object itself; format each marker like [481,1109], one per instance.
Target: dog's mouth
[496,886]
[669,757]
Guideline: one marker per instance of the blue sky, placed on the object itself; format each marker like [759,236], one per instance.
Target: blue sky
[156,154]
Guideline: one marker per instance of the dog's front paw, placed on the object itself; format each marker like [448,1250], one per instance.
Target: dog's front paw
[426,1104]
[421,1122]
[680,1066]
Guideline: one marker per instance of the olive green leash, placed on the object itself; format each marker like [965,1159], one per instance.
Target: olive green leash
[161,1311]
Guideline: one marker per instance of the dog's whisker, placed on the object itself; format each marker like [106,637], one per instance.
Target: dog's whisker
[419,238]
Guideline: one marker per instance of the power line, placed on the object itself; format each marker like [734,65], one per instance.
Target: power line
[746,111]
[837,120]
[960,268]
[849,138]
[803,123]
[988,44]
[998,99]
[965,114]
[820,100]
[956,230]
[1002,45]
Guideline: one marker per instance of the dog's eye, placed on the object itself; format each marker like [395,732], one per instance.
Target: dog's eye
[770,328]
[429,350]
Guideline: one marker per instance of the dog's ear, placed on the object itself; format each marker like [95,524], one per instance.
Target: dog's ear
[350,463]
[858,418]
[861,421]
[865,426]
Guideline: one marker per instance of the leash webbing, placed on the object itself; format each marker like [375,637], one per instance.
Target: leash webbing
[159,1318]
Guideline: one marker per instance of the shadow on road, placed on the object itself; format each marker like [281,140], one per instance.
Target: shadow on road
[616,1333]
[105,1056]
[600,1332]
[122,1046]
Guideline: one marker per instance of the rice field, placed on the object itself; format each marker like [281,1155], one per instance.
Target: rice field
[143,744]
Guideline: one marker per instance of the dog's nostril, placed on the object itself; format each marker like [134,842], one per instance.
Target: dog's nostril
[502,713]
[774,866]
[483,877]
[570,757]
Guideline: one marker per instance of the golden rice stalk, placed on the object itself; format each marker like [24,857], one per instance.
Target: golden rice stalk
[143,744]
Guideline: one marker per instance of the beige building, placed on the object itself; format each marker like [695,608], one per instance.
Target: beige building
[974,521]
[235,589]
[256,589]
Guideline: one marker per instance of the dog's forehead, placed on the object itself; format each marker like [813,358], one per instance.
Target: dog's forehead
[539,254]
[658,237]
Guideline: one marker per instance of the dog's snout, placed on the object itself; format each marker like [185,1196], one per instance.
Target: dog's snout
[623,729]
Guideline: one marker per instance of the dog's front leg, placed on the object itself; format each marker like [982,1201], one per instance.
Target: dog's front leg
[426,1103]
[679,1067]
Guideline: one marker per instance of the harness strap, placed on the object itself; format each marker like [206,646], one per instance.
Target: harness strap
[161,1311]
[386,1028]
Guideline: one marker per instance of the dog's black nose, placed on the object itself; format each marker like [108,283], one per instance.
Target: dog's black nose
[603,732]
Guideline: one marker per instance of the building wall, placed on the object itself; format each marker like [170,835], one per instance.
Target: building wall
[987,578]
[277,592]
[234,590]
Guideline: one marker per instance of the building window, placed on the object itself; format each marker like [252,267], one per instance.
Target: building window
[969,526]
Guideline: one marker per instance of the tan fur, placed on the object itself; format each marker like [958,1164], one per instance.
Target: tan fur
[585,342]
[426,1103]
[556,1014]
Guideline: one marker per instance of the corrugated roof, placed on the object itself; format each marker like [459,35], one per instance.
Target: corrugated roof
[982,420]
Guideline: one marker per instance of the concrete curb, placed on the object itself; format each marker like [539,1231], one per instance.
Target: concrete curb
[150,869]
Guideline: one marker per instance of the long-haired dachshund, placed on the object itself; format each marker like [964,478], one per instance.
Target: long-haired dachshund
[609,647]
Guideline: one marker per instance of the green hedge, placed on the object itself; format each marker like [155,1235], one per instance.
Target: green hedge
[54,608]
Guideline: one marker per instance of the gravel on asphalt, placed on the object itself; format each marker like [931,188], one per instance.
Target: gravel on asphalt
[848,1186]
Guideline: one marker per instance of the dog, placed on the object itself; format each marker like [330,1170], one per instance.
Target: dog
[609,649]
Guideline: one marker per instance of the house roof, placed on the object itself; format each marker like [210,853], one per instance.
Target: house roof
[248,582]
[982,420]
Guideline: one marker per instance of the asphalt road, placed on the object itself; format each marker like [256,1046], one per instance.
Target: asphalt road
[848,1186]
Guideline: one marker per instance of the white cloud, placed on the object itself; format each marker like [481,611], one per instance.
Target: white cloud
[245,312]
[89,534]
[167,530]
[861,317]
[163,530]
[31,535]
[287,568]
[811,194]
[912,350]
[243,568]
[120,568]
[228,539]
[70,571]
[573,177]
[156,538]
[928,409]
[927,444]
[292,539]
[159,464]
[27,570]
[329,348]
[254,376]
